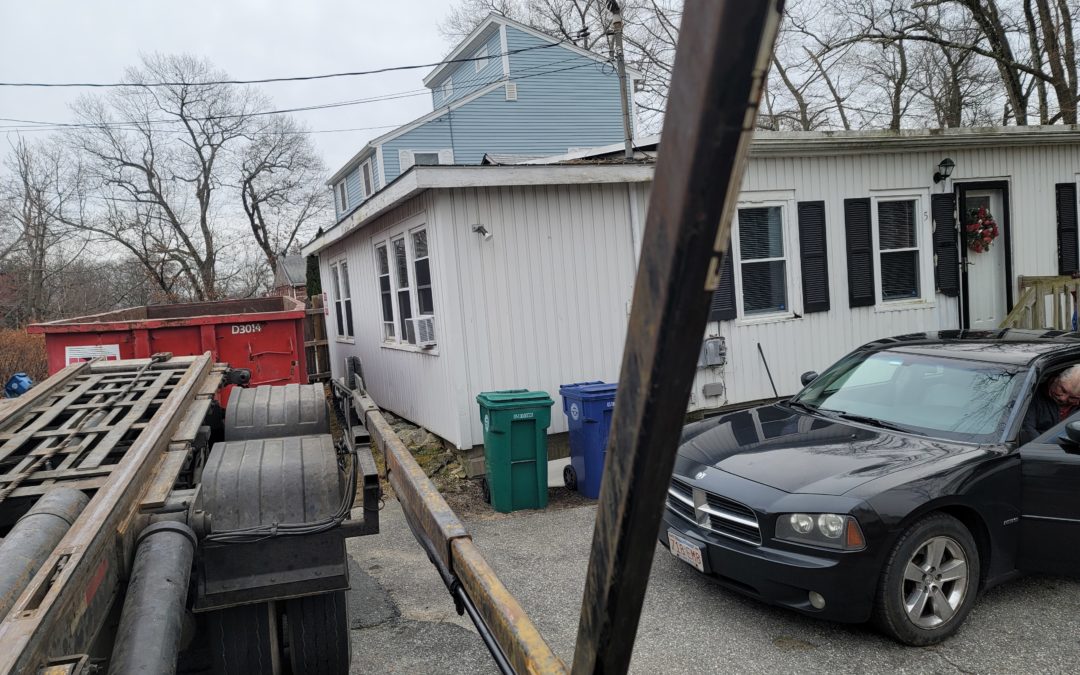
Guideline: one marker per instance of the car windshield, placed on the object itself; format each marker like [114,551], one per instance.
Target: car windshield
[949,398]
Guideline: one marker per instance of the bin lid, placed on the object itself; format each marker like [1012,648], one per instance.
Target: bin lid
[513,398]
[590,391]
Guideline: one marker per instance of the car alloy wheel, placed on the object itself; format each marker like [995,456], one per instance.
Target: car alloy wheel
[935,582]
[929,581]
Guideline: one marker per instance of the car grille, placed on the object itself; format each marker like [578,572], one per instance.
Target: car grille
[713,512]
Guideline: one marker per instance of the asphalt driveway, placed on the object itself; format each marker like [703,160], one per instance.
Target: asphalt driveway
[404,620]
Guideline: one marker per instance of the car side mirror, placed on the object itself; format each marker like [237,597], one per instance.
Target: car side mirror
[1072,434]
[808,377]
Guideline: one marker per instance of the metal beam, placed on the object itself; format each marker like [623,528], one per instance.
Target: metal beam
[720,65]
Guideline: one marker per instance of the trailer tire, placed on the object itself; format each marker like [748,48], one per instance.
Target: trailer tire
[318,628]
[245,640]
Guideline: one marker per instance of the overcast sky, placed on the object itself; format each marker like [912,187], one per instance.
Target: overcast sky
[95,40]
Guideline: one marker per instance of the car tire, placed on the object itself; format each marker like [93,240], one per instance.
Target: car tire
[929,582]
[569,477]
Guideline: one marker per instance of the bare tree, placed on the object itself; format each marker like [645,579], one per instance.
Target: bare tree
[280,187]
[41,196]
[159,155]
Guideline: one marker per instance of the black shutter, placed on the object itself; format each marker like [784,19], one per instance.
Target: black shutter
[946,249]
[723,300]
[814,257]
[1067,228]
[860,252]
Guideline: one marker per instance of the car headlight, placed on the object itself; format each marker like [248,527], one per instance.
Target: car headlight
[831,530]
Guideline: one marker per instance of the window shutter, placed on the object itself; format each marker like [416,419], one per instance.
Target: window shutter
[446,157]
[1068,256]
[814,257]
[723,300]
[946,246]
[860,252]
[405,160]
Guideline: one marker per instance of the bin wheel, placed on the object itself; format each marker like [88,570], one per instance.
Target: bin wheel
[318,629]
[486,490]
[244,639]
[569,477]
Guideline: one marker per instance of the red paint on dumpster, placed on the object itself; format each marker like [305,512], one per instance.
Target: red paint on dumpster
[263,334]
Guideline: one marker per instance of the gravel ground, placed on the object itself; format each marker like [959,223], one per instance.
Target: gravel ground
[404,620]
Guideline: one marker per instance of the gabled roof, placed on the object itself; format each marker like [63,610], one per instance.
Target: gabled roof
[474,39]
[293,269]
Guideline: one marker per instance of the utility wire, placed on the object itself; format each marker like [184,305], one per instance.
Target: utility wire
[268,80]
[41,125]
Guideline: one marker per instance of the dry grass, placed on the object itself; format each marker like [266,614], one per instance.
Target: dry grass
[21,352]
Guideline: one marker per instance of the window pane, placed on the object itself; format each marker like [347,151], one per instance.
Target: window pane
[388,330]
[340,323]
[337,286]
[761,233]
[419,241]
[400,263]
[345,281]
[387,307]
[367,179]
[899,275]
[896,225]
[764,287]
[380,256]
[423,273]
[423,298]
[348,317]
[405,308]
[426,158]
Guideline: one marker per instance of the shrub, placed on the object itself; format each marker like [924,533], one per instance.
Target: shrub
[21,352]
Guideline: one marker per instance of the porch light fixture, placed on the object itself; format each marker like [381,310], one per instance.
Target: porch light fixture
[945,168]
[482,231]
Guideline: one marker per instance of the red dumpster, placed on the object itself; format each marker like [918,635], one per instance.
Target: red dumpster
[263,334]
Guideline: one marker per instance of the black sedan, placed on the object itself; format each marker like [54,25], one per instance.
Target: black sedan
[894,487]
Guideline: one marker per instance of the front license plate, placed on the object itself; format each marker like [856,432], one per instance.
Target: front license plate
[687,551]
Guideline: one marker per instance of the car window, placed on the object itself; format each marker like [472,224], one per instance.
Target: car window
[942,397]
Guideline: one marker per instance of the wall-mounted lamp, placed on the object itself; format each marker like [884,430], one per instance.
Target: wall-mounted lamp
[482,231]
[945,168]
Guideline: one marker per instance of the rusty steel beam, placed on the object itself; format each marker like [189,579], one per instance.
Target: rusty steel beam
[720,64]
[66,603]
[446,538]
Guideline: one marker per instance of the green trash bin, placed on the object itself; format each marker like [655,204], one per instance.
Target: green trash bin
[515,447]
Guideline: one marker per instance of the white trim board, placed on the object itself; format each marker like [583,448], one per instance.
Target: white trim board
[420,178]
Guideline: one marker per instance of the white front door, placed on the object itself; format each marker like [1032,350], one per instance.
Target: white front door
[986,278]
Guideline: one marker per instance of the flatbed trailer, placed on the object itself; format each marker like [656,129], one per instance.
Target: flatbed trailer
[137,452]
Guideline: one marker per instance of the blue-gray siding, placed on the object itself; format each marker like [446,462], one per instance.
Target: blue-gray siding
[465,77]
[575,107]
[353,181]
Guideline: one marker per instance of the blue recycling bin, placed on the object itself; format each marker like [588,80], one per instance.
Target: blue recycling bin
[18,385]
[588,407]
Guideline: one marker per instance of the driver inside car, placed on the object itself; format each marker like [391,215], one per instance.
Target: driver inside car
[1052,403]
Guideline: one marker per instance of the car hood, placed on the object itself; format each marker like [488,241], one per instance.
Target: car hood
[794,451]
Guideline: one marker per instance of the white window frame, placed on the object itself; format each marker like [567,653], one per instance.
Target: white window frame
[438,159]
[367,180]
[339,275]
[341,192]
[481,61]
[924,239]
[405,230]
[387,335]
[447,90]
[790,236]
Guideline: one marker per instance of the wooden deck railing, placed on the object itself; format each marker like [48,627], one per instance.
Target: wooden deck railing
[1045,302]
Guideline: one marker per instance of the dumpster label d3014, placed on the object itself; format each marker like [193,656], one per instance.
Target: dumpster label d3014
[80,353]
[245,328]
[575,413]
[524,416]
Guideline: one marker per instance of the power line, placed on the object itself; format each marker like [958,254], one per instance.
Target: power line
[41,125]
[269,80]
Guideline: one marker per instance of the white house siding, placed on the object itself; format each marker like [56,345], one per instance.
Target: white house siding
[817,340]
[543,302]
[409,382]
